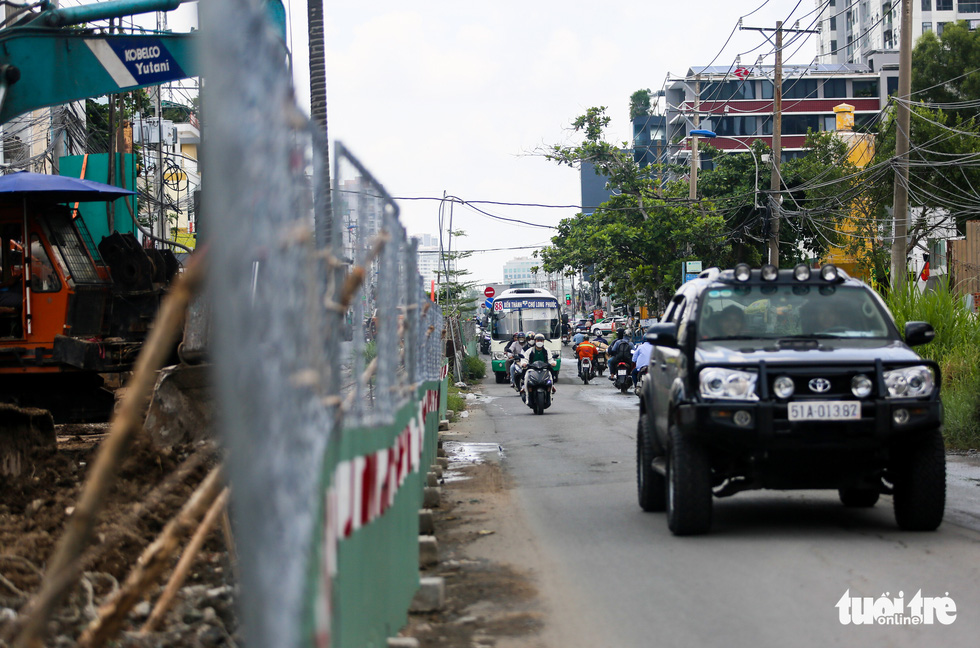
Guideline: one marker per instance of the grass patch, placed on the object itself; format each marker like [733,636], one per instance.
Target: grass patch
[475,368]
[455,401]
[956,350]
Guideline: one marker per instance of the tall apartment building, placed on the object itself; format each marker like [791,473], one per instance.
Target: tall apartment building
[518,273]
[853,31]
[431,265]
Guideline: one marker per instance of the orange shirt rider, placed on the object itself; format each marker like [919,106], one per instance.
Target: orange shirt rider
[586,349]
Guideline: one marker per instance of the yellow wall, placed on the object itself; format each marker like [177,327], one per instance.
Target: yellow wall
[860,152]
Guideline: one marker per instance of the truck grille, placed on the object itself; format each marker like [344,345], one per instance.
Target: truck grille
[821,382]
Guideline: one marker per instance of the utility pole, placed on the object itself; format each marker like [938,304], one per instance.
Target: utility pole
[777,147]
[903,121]
[694,139]
[775,181]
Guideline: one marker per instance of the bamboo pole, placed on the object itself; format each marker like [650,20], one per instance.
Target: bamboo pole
[186,562]
[151,564]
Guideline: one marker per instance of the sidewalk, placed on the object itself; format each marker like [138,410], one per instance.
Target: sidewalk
[491,598]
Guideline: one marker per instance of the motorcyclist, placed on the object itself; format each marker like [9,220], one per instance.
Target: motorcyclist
[538,352]
[529,340]
[515,348]
[620,351]
[641,358]
[585,349]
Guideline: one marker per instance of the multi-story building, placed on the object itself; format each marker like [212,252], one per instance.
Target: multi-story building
[854,31]
[360,220]
[518,272]
[432,266]
[183,179]
[736,103]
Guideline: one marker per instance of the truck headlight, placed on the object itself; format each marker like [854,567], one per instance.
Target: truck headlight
[730,384]
[910,382]
[497,355]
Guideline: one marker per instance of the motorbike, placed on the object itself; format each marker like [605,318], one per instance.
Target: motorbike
[565,339]
[640,377]
[586,372]
[485,343]
[621,372]
[519,379]
[537,377]
[600,362]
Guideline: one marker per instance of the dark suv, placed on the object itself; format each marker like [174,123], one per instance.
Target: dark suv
[788,379]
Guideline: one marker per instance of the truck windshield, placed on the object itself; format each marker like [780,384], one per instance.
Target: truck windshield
[745,312]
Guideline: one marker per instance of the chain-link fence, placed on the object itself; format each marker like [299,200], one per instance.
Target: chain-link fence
[307,341]
[380,370]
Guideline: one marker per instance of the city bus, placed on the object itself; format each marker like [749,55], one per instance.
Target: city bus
[524,310]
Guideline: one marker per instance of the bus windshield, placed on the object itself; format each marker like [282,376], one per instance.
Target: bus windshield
[523,316]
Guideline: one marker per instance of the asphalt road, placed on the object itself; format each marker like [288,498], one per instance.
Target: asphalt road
[771,573]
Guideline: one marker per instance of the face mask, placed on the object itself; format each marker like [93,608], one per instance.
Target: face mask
[539,344]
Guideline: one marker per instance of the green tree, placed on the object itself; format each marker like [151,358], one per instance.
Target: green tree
[944,69]
[455,294]
[640,103]
[731,186]
[635,241]
[97,118]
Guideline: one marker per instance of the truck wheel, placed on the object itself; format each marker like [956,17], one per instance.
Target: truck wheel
[688,486]
[500,376]
[919,476]
[858,497]
[651,487]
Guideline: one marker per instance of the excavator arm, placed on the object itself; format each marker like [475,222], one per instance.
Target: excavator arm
[43,64]
[39,68]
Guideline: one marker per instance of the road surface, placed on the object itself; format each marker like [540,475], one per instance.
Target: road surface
[774,571]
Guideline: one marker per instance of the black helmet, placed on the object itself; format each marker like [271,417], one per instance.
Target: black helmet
[620,333]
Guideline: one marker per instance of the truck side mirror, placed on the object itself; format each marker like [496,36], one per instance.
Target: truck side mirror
[662,334]
[919,333]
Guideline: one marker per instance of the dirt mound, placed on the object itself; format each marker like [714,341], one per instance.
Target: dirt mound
[35,508]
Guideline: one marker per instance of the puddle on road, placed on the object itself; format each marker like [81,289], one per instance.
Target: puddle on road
[606,395]
[478,398]
[461,454]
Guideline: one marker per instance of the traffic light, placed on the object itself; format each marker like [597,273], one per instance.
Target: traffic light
[568,299]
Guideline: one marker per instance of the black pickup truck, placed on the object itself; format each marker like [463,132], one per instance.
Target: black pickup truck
[788,379]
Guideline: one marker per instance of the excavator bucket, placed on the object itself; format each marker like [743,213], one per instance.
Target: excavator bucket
[24,432]
[181,409]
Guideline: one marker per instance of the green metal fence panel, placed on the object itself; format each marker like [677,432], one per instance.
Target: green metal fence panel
[366,567]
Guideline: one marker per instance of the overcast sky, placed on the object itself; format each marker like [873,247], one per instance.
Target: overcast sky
[443,96]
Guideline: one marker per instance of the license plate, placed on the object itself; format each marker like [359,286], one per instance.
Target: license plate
[824,410]
[623,373]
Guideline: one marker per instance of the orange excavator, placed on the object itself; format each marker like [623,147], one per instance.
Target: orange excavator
[68,316]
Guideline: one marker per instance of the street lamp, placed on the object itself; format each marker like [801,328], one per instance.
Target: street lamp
[701,132]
